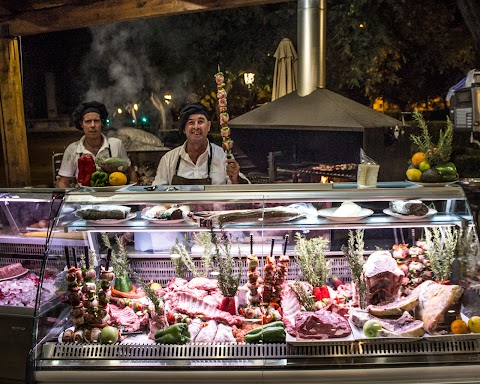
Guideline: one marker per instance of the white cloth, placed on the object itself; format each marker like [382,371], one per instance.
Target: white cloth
[69,166]
[189,170]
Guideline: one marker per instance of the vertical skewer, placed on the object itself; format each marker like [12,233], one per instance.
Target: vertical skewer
[87,257]
[271,249]
[251,244]
[109,257]
[67,257]
[285,245]
[74,255]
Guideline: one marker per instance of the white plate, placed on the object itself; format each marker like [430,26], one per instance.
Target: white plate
[431,212]
[109,188]
[111,221]
[163,221]
[17,275]
[299,342]
[328,213]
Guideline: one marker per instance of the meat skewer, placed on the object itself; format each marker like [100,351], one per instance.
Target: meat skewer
[269,276]
[227,142]
[253,296]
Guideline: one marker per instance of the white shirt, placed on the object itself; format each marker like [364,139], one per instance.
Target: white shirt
[69,166]
[188,169]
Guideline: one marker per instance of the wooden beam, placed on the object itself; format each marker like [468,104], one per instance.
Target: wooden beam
[12,118]
[42,17]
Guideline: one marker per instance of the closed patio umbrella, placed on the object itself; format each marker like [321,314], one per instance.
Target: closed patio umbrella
[285,75]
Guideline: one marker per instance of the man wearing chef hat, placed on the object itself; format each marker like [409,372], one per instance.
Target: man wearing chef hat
[90,117]
[197,161]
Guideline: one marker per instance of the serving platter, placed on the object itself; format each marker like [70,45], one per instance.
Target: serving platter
[108,188]
[389,212]
[328,213]
[23,273]
[162,221]
[442,184]
[111,221]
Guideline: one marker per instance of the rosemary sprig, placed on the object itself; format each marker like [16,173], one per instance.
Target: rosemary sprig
[441,246]
[182,260]
[119,258]
[468,249]
[307,300]
[157,301]
[310,258]
[204,239]
[354,254]
[228,280]
[435,153]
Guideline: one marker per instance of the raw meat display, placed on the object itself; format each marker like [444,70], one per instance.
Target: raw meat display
[12,270]
[322,324]
[383,278]
[22,291]
[434,302]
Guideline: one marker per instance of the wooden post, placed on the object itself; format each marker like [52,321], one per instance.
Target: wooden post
[12,118]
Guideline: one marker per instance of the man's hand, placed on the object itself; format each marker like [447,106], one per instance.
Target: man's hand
[233,168]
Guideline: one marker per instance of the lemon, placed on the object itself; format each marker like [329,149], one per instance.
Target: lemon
[474,324]
[413,174]
[117,178]
[155,286]
[423,166]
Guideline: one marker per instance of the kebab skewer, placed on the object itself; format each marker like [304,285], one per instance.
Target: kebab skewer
[227,142]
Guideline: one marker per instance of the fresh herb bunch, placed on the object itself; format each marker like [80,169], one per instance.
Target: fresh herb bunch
[310,258]
[434,153]
[157,301]
[307,300]
[119,259]
[228,280]
[441,246]
[204,239]
[354,254]
[182,260]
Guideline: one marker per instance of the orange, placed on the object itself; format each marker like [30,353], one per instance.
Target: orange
[117,178]
[459,327]
[417,158]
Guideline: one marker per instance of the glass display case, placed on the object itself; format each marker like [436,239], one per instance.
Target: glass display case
[26,224]
[260,282]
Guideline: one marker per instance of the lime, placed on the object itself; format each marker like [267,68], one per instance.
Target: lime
[423,166]
[109,335]
[474,324]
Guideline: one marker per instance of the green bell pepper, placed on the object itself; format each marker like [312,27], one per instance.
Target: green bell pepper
[99,179]
[122,284]
[448,171]
[174,334]
[269,333]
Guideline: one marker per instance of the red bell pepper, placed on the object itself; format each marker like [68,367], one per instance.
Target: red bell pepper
[321,293]
[86,166]
[228,305]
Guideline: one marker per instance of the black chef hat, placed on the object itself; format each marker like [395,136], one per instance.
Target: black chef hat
[89,106]
[191,109]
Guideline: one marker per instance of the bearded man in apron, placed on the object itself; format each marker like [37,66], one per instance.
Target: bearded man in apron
[197,161]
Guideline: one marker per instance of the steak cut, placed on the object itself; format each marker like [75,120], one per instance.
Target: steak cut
[320,325]
[395,308]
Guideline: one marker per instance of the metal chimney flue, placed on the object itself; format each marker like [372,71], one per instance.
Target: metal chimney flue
[311,36]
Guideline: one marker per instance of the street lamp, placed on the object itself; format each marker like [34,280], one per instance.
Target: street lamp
[249,78]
